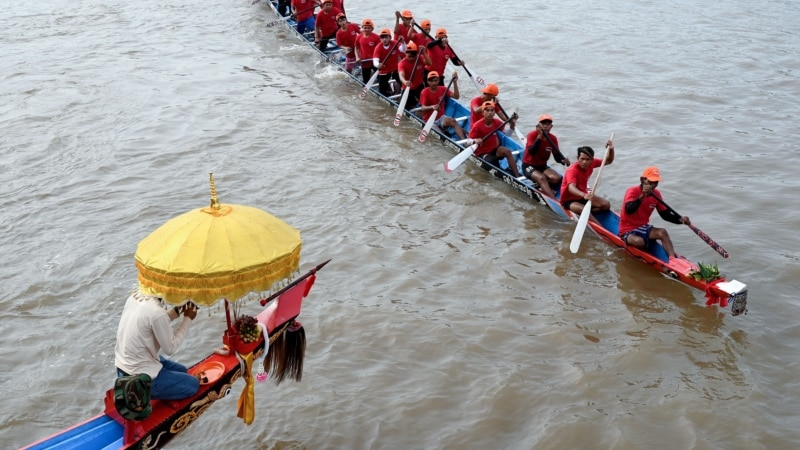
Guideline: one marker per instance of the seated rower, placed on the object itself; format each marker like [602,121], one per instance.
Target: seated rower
[541,143]
[484,132]
[574,187]
[431,100]
[638,205]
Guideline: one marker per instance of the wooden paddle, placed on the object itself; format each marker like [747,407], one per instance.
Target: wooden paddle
[464,155]
[706,238]
[423,135]
[402,105]
[587,208]
[476,80]
[557,151]
[374,76]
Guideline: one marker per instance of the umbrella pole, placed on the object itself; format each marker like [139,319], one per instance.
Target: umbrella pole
[227,314]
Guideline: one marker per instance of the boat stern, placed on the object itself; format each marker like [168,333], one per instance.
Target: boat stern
[735,292]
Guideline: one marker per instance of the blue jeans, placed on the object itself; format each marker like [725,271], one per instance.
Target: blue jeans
[173,382]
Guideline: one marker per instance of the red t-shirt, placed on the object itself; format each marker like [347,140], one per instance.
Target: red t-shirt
[304,9]
[420,39]
[628,222]
[347,37]
[430,98]
[475,117]
[479,129]
[404,31]
[406,65]
[575,175]
[366,45]
[439,57]
[542,152]
[390,63]
[326,22]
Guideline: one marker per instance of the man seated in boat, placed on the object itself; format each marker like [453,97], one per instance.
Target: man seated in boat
[484,133]
[346,40]
[365,47]
[410,69]
[432,99]
[404,27]
[325,26]
[385,59]
[638,205]
[574,187]
[541,143]
[144,331]
[439,51]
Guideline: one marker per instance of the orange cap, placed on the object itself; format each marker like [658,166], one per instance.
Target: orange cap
[367,22]
[441,32]
[652,173]
[544,117]
[491,89]
[386,32]
[433,74]
[339,16]
[425,23]
[407,14]
[489,104]
[411,47]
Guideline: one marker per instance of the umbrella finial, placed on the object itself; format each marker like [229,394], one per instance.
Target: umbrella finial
[214,199]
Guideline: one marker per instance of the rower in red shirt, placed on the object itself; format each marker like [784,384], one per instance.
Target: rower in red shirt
[574,190]
[484,132]
[325,27]
[638,205]
[346,40]
[541,143]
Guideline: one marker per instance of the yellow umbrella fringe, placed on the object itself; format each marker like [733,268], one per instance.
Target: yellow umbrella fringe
[206,290]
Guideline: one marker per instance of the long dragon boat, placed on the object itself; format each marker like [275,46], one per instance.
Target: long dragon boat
[717,289]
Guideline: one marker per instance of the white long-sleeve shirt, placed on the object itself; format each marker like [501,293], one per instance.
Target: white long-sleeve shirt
[144,330]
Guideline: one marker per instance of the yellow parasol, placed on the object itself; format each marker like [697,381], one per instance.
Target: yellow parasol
[217,252]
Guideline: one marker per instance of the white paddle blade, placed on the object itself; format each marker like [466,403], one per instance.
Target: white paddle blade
[369,84]
[275,22]
[466,141]
[400,107]
[582,222]
[423,135]
[457,160]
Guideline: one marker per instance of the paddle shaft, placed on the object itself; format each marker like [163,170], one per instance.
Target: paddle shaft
[555,147]
[293,283]
[406,92]
[706,238]
[518,133]
[478,82]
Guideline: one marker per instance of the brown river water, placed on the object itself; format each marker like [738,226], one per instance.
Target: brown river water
[453,314]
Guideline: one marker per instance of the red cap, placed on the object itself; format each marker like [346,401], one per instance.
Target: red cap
[491,89]
[652,173]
